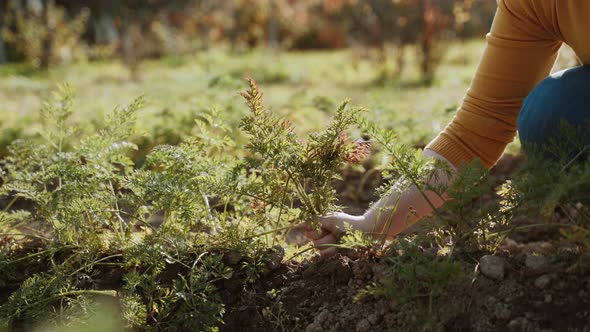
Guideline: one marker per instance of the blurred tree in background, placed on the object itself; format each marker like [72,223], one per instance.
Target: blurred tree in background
[393,25]
[47,32]
[2,50]
[41,31]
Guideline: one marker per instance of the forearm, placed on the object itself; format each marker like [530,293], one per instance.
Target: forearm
[520,52]
[400,209]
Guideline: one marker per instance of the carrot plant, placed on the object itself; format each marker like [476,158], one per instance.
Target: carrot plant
[82,223]
[89,209]
[291,175]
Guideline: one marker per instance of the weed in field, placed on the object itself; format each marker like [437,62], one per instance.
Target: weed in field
[552,187]
[468,220]
[277,314]
[418,284]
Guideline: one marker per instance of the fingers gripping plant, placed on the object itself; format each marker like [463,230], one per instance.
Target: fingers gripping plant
[291,174]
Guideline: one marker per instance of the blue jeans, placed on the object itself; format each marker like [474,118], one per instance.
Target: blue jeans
[562,99]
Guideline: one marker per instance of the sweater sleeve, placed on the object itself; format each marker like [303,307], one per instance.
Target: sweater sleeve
[520,52]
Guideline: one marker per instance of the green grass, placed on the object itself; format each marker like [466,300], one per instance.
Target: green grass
[298,86]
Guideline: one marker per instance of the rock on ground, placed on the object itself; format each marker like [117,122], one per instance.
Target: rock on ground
[542,281]
[492,267]
[536,263]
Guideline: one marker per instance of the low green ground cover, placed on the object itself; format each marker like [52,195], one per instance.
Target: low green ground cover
[304,87]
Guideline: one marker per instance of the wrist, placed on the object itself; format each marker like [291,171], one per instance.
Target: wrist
[356,222]
[378,217]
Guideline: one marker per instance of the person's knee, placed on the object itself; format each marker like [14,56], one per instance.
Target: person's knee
[562,97]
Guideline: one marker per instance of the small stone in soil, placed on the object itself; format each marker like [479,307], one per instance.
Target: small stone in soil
[362,271]
[323,317]
[319,322]
[490,301]
[536,263]
[374,319]
[518,324]
[363,326]
[543,281]
[389,319]
[502,312]
[492,267]
[232,258]
[314,327]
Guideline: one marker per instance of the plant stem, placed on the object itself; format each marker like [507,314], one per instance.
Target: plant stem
[574,158]
[40,253]
[304,198]
[97,261]
[299,253]
[268,232]
[92,292]
[538,225]
[412,179]
[281,208]
[120,234]
[10,204]
[26,235]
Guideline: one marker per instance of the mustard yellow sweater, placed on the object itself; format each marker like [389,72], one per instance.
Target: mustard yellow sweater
[521,49]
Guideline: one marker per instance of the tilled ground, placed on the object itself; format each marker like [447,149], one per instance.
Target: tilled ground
[522,292]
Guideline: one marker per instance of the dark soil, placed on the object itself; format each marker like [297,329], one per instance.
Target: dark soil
[319,295]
